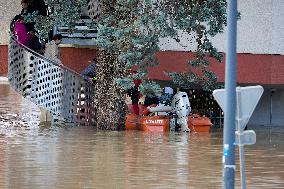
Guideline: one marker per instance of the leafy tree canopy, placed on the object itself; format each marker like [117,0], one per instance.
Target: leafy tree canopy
[131,29]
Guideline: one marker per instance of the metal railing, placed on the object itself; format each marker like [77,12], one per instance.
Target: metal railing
[58,89]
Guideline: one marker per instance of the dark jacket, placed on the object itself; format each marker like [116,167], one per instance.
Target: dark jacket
[34,44]
[151,100]
[134,94]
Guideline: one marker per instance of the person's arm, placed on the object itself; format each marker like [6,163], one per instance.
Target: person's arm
[52,53]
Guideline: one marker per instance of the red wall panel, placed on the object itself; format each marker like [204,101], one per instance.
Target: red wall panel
[277,69]
[77,58]
[3,59]
[251,68]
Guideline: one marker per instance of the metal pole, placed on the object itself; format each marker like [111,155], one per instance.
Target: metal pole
[230,99]
[271,111]
[240,136]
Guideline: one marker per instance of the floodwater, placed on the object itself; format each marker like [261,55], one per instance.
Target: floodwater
[37,157]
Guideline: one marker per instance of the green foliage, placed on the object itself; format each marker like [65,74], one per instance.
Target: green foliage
[150,88]
[125,83]
[203,19]
[132,28]
[208,81]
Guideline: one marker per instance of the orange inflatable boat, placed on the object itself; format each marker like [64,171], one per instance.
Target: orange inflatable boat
[196,123]
[147,123]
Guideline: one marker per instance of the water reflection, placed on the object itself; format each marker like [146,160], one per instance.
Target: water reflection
[79,157]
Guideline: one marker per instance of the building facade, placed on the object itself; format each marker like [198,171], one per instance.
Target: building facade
[260,58]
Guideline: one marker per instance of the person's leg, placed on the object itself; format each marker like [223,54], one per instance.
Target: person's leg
[45,115]
[135,108]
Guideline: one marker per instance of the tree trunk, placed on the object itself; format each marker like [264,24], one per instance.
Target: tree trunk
[109,98]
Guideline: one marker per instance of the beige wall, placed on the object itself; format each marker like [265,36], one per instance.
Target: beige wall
[8,9]
[260,30]
[278,26]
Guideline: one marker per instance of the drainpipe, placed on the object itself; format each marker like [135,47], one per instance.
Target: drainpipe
[272,91]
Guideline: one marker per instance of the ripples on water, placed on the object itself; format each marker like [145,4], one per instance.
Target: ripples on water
[48,157]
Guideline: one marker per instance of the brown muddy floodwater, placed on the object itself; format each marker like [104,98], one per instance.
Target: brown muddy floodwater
[51,157]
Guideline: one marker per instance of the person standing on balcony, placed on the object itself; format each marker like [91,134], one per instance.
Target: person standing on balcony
[52,51]
[27,9]
[34,43]
[20,31]
[30,6]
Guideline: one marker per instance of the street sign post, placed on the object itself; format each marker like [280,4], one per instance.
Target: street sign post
[230,98]
[247,99]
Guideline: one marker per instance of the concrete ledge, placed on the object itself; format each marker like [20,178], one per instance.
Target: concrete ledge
[63,45]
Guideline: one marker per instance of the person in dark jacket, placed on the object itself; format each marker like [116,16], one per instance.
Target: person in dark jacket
[26,7]
[134,95]
[34,43]
[39,6]
[89,73]
[32,6]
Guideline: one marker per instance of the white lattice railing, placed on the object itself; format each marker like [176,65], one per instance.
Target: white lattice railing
[56,88]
